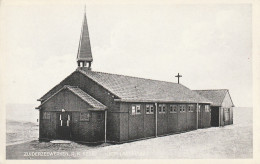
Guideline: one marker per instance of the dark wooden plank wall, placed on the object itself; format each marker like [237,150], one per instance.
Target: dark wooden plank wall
[205,117]
[172,121]
[86,131]
[142,125]
[100,94]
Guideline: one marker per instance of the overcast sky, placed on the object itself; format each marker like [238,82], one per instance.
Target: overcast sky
[210,45]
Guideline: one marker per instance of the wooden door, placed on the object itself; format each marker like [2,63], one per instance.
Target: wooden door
[64,125]
[215,116]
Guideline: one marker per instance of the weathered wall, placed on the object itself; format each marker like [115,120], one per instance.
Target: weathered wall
[100,94]
[142,125]
[87,131]
[162,121]
[204,117]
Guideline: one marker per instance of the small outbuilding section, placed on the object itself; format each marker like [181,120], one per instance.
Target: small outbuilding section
[221,107]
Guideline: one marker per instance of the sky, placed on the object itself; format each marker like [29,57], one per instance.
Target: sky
[210,45]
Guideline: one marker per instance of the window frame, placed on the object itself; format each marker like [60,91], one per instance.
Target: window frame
[190,108]
[173,108]
[46,115]
[206,108]
[134,107]
[162,108]
[150,109]
[182,108]
[87,119]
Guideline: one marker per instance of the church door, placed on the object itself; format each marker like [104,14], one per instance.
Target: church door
[64,125]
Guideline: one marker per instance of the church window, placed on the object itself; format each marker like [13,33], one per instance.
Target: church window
[68,120]
[133,109]
[136,109]
[162,108]
[173,108]
[191,108]
[84,116]
[46,115]
[199,108]
[206,108]
[182,108]
[149,109]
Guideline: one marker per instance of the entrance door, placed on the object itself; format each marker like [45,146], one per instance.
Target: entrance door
[64,125]
[215,116]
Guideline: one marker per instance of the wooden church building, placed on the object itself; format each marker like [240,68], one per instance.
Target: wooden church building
[89,106]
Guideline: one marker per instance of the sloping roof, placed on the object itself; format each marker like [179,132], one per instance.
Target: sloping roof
[87,98]
[84,51]
[136,89]
[81,94]
[215,95]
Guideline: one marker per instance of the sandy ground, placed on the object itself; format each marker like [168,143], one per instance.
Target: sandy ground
[233,141]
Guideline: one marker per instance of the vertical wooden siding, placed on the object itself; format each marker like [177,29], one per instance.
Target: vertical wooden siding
[100,94]
[142,125]
[87,131]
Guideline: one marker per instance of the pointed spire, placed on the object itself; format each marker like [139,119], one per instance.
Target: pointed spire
[84,51]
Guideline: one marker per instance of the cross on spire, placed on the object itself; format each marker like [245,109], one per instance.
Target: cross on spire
[178,77]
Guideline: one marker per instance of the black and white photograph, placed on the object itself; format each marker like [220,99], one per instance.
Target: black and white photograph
[128,80]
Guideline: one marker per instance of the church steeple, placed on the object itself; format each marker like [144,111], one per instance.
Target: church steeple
[84,56]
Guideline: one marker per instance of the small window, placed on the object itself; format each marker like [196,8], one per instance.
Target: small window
[136,109]
[206,108]
[84,116]
[182,108]
[46,115]
[190,108]
[162,108]
[173,108]
[149,109]
[133,109]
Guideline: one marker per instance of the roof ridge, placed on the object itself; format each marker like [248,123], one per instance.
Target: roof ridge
[130,76]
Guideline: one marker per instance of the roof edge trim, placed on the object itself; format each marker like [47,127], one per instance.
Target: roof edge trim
[159,101]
